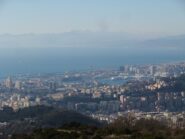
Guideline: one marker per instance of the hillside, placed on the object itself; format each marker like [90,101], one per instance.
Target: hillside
[123,128]
[28,119]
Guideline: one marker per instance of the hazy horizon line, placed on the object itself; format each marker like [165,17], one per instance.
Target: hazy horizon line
[144,36]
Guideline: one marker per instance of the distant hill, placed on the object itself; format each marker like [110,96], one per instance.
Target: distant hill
[172,41]
[176,84]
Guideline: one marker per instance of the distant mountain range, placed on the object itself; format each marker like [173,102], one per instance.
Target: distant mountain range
[73,39]
[172,41]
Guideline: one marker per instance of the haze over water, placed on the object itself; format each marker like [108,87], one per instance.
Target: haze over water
[50,60]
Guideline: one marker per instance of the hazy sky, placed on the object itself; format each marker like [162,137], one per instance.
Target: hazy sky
[166,17]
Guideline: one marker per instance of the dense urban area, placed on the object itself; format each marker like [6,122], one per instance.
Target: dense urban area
[151,92]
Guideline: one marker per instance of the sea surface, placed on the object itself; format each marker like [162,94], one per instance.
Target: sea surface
[61,59]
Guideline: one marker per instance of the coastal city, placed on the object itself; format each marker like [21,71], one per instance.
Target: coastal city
[144,91]
[99,69]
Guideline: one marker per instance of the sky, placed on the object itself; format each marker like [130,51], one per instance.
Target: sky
[157,17]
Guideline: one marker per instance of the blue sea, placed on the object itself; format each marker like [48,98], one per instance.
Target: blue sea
[61,59]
